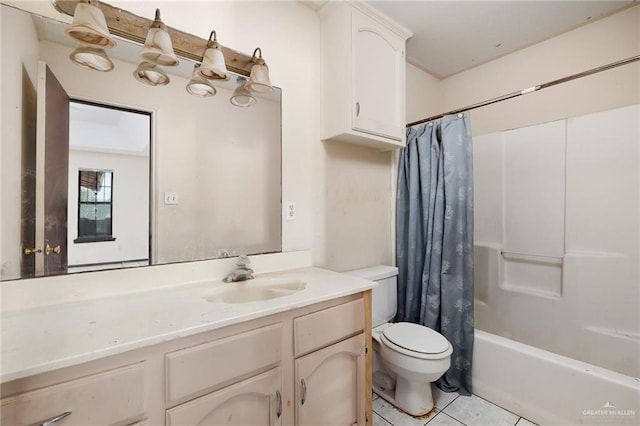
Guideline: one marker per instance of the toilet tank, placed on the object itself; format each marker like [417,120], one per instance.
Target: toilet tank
[385,296]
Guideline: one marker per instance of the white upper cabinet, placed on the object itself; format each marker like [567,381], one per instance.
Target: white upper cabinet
[363,76]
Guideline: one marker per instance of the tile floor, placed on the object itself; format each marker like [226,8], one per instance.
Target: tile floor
[451,409]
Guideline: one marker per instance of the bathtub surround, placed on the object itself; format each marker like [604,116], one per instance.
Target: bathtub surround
[435,238]
[564,196]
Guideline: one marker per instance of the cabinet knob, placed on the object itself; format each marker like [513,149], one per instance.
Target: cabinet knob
[53,420]
[357,109]
[303,397]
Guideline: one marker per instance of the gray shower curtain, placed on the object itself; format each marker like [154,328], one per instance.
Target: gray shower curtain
[434,238]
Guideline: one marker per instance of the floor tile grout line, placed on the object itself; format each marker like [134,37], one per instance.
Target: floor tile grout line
[457,420]
[383,419]
[450,402]
[508,411]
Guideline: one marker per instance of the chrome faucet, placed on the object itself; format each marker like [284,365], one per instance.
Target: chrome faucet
[242,272]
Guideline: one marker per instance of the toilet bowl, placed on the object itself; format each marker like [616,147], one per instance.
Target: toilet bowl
[407,357]
[413,356]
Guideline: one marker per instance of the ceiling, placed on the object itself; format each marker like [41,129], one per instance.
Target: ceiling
[452,36]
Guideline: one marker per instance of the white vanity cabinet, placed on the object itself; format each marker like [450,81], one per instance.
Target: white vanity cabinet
[245,373]
[363,76]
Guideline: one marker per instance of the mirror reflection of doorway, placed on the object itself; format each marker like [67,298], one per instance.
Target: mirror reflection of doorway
[108,191]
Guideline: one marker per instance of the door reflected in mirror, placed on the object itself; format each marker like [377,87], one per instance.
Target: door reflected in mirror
[109,165]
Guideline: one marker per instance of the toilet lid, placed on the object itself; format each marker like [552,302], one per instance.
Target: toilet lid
[417,338]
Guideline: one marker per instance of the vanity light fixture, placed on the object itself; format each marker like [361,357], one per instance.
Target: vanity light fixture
[199,86]
[89,25]
[157,46]
[151,74]
[242,96]
[213,65]
[259,78]
[92,58]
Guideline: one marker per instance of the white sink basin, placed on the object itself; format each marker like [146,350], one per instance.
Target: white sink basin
[254,290]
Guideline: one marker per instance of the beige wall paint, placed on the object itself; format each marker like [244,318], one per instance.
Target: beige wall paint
[424,94]
[607,40]
[357,209]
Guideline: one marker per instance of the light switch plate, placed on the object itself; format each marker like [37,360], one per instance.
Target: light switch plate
[171,198]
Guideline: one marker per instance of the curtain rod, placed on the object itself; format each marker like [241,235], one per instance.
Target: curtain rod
[531,89]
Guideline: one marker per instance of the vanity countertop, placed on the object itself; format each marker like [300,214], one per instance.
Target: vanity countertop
[46,338]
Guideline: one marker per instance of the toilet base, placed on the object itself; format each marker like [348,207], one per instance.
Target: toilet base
[413,398]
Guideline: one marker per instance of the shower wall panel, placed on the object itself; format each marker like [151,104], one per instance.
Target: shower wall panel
[557,237]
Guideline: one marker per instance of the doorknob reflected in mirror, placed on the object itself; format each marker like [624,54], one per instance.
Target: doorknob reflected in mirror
[47,250]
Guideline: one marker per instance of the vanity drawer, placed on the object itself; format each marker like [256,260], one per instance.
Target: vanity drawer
[322,328]
[112,397]
[200,369]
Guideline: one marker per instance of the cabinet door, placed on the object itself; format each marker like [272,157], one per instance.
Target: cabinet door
[330,385]
[254,401]
[378,85]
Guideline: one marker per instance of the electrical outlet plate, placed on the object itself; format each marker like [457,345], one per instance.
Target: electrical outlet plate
[290,210]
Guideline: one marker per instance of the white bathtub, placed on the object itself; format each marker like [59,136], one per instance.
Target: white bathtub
[547,388]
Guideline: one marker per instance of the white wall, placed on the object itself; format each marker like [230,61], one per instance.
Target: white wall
[130,208]
[18,68]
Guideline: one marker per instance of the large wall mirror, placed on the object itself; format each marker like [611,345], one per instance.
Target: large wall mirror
[107,172]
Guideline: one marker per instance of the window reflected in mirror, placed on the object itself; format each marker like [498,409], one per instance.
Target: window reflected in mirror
[95,206]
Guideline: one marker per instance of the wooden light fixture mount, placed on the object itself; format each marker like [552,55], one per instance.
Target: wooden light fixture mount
[125,24]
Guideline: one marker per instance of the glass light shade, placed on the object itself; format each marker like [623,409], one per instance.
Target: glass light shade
[213,65]
[90,27]
[92,58]
[151,74]
[158,48]
[200,87]
[242,96]
[259,79]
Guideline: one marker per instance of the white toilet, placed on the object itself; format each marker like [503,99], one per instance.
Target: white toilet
[407,357]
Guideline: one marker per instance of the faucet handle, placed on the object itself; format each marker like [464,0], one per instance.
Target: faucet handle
[243,260]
